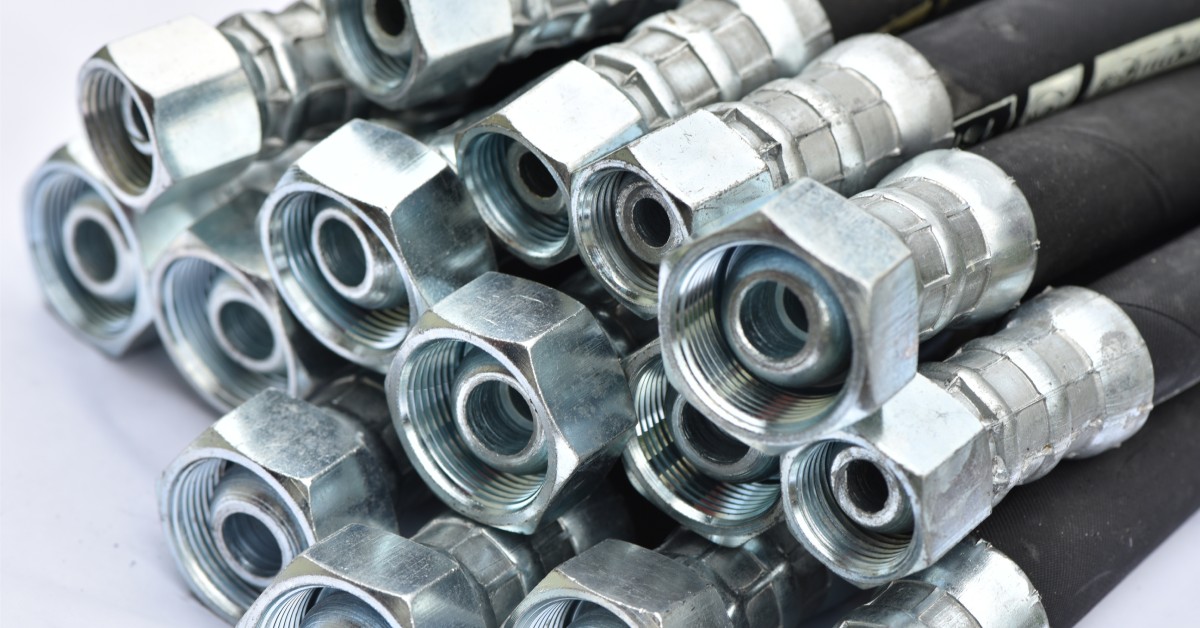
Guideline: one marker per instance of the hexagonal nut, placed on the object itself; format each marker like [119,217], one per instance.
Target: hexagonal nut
[169,107]
[621,583]
[221,319]
[260,486]
[510,401]
[646,199]
[375,577]
[403,53]
[848,271]
[892,494]
[87,252]
[393,230]
[520,160]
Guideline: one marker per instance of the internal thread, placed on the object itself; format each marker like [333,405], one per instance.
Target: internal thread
[427,383]
[773,320]
[247,330]
[288,610]
[344,255]
[361,58]
[709,440]
[500,418]
[694,332]
[252,545]
[831,533]
[51,200]
[485,171]
[290,226]
[558,613]
[600,235]
[867,487]
[186,287]
[96,250]
[105,98]
[720,503]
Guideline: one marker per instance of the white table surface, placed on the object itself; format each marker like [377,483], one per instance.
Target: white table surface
[83,438]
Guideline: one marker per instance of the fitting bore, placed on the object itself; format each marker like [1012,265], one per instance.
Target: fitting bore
[404,53]
[520,161]
[364,232]
[452,572]
[974,585]
[275,476]
[186,104]
[853,114]
[511,401]
[1069,376]
[708,481]
[686,583]
[810,307]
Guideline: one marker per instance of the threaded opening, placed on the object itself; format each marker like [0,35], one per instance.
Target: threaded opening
[187,285]
[320,607]
[427,382]
[332,317]
[109,110]
[773,320]
[500,418]
[867,487]
[709,440]
[601,241]
[391,16]
[96,250]
[50,201]
[485,169]
[694,332]
[252,545]
[569,613]
[830,532]
[653,225]
[721,503]
[375,70]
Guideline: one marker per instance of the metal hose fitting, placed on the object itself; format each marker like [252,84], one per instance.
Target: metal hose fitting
[275,476]
[186,104]
[686,583]
[803,312]
[708,481]
[856,112]
[974,585]
[452,572]
[364,232]
[511,401]
[520,161]
[1068,377]
[92,252]
[404,53]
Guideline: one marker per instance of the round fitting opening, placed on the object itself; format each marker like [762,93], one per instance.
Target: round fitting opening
[866,487]
[314,606]
[773,320]
[708,440]
[252,545]
[535,176]
[569,613]
[339,249]
[117,127]
[95,250]
[498,417]
[391,16]
[371,39]
[246,330]
[651,222]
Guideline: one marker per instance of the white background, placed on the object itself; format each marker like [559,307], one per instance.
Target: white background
[83,438]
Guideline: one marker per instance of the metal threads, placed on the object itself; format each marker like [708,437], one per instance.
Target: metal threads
[426,385]
[108,109]
[220,332]
[290,230]
[316,607]
[568,613]
[373,46]
[721,508]
[227,586]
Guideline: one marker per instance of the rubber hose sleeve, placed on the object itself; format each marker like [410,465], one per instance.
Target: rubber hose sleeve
[1111,176]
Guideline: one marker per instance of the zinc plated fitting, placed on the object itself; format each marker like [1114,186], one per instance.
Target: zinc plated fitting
[974,585]
[802,313]
[404,53]
[275,476]
[520,161]
[364,233]
[852,115]
[185,104]
[218,314]
[453,572]
[93,253]
[686,583]
[1068,377]
[511,401]
[703,478]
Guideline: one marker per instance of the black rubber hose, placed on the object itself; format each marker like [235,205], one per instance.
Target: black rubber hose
[1116,175]
[852,17]
[991,54]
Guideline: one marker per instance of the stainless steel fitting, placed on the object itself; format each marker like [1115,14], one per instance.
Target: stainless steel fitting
[275,476]
[974,585]
[853,114]
[364,232]
[221,319]
[186,104]
[511,401]
[802,313]
[403,53]
[520,161]
[687,583]
[708,481]
[93,253]
[453,572]
[1069,376]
